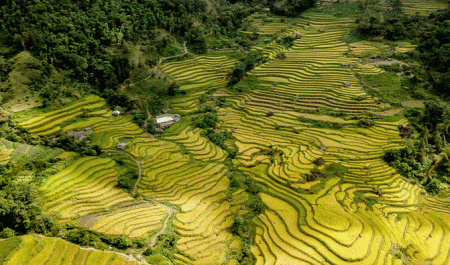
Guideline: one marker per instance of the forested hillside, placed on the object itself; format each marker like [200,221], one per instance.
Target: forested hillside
[74,36]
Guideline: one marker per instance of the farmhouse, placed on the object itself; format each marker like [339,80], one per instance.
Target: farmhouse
[115,113]
[165,120]
[121,146]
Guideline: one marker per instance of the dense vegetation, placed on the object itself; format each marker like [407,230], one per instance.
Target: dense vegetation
[20,203]
[431,34]
[74,36]
[425,158]
[246,64]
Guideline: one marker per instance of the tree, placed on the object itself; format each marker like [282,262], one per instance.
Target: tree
[434,114]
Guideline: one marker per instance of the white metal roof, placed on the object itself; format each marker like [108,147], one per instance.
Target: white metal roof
[164,119]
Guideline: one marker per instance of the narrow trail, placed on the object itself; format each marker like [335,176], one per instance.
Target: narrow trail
[139,260]
[170,211]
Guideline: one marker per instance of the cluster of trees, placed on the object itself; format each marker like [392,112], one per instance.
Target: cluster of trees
[290,7]
[425,158]
[83,147]
[163,250]
[434,51]
[85,237]
[73,35]
[11,132]
[127,179]
[389,23]
[20,203]
[430,33]
[246,64]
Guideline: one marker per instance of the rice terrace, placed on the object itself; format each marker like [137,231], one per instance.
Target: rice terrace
[225,132]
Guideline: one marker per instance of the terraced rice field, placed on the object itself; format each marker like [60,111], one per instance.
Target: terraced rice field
[327,222]
[87,190]
[423,8]
[342,219]
[311,76]
[200,147]
[198,189]
[49,123]
[198,75]
[37,250]
[20,154]
[5,153]
[193,180]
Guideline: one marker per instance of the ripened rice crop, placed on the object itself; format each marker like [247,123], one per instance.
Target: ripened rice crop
[87,189]
[40,250]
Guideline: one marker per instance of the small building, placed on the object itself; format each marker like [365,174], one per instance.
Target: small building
[266,9]
[345,65]
[79,135]
[347,84]
[121,146]
[115,113]
[165,120]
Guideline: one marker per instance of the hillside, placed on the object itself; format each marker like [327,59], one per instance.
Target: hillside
[307,135]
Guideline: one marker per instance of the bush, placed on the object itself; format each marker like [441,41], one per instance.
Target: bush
[124,182]
[246,64]
[434,187]
[365,123]
[138,117]
[7,233]
[128,179]
[238,225]
[217,138]
[151,126]
[208,120]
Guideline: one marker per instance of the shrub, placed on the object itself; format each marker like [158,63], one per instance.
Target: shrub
[7,233]
[217,138]
[365,123]
[151,126]
[208,120]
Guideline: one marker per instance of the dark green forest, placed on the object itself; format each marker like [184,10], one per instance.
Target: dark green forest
[74,35]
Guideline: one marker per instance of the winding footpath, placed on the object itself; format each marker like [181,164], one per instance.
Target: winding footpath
[170,211]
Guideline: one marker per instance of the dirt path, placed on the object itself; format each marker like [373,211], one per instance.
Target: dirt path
[138,162]
[139,260]
[169,210]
